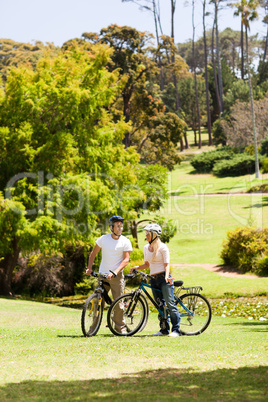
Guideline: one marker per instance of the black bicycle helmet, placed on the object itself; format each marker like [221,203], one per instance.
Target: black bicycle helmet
[115,218]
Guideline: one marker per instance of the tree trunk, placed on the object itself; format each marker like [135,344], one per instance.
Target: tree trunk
[7,266]
[266,42]
[257,169]
[195,80]
[134,232]
[214,69]
[242,50]
[206,76]
[218,58]
[173,5]
[187,146]
[126,100]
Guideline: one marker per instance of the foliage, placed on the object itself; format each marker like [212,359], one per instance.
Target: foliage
[263,188]
[71,165]
[238,91]
[14,54]
[264,146]
[238,125]
[160,145]
[247,249]
[204,162]
[186,87]
[12,223]
[239,165]
[265,165]
[219,137]
[168,228]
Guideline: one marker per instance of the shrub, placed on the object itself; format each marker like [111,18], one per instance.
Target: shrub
[240,165]
[204,162]
[54,275]
[264,146]
[244,249]
[265,165]
[219,137]
[260,265]
[261,188]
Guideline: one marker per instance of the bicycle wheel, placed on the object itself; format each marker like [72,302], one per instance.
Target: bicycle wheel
[146,312]
[126,316]
[92,315]
[197,320]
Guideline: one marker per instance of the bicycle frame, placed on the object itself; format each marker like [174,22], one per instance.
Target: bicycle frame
[142,287]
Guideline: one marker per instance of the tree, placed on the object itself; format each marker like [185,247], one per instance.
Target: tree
[248,11]
[206,75]
[71,166]
[195,80]
[130,59]
[238,125]
[218,51]
[14,54]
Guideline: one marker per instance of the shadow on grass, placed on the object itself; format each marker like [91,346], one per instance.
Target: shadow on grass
[252,326]
[242,384]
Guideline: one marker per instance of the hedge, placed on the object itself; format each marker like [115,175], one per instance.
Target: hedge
[239,165]
[204,162]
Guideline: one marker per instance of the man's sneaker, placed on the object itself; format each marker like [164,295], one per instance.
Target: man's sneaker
[160,333]
[174,334]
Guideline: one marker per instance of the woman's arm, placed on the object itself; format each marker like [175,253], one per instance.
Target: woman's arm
[140,267]
[167,272]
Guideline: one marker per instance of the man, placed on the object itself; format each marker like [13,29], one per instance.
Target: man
[116,250]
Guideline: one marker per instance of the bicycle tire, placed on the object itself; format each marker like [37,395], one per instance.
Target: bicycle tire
[92,315]
[146,313]
[200,307]
[134,315]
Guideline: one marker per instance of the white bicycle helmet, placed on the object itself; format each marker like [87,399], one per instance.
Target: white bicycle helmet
[153,227]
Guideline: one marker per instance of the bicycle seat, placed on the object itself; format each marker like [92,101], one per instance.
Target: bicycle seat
[129,276]
[178,283]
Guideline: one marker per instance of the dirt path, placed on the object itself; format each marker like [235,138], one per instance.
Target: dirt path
[219,269]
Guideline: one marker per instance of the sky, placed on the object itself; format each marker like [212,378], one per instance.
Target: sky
[60,20]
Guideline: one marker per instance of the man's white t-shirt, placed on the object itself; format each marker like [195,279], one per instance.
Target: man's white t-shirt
[112,252]
[162,257]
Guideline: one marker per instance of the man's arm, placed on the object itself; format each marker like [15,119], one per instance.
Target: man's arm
[91,259]
[126,255]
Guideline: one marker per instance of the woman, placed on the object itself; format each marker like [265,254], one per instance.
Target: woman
[156,256]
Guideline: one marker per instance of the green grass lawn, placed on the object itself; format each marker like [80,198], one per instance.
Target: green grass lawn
[44,358]
[184,181]
[202,219]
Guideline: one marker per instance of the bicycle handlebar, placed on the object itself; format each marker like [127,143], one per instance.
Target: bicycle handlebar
[135,271]
[96,274]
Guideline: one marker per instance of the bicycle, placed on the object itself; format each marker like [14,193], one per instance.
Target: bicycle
[195,310]
[92,312]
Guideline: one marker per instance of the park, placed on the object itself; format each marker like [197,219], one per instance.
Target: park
[132,124]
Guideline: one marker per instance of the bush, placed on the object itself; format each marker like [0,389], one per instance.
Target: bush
[219,137]
[54,275]
[261,188]
[241,164]
[264,146]
[204,162]
[265,165]
[260,265]
[246,249]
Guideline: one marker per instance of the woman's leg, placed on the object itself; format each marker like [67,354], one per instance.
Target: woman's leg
[158,296]
[168,293]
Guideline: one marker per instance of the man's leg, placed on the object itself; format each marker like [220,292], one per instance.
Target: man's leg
[117,287]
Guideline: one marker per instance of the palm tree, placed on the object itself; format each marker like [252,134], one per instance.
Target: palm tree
[248,11]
